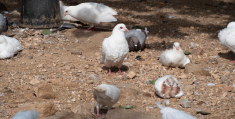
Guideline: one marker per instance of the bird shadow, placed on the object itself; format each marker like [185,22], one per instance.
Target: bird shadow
[229,55]
[124,68]
[160,45]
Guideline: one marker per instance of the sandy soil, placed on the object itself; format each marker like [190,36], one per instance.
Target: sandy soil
[50,59]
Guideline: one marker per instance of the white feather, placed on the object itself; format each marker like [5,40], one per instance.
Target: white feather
[109,97]
[158,86]
[26,114]
[174,58]
[114,48]
[171,113]
[8,46]
[227,36]
[92,13]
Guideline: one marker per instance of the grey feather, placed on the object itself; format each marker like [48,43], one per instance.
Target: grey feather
[3,23]
[26,114]
[140,35]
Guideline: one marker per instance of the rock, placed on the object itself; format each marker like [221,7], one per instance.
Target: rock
[26,87]
[185,103]
[128,91]
[224,80]
[146,94]
[130,114]
[82,110]
[44,108]
[198,51]
[76,52]
[227,89]
[131,74]
[196,70]
[34,82]
[64,115]
[44,91]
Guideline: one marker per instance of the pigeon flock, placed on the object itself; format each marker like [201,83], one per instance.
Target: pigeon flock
[115,49]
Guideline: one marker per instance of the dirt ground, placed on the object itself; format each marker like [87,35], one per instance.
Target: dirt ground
[69,59]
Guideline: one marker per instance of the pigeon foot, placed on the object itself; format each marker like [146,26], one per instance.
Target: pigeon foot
[232,61]
[89,29]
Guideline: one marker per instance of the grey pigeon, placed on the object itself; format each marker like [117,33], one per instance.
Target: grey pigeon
[26,114]
[136,39]
[3,23]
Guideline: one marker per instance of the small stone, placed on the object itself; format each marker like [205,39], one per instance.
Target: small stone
[45,91]
[224,80]
[167,102]
[76,52]
[1,94]
[185,103]
[215,76]
[26,87]
[227,89]
[210,84]
[131,74]
[146,94]
[198,51]
[34,81]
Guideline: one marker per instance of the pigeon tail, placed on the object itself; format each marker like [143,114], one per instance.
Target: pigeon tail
[159,105]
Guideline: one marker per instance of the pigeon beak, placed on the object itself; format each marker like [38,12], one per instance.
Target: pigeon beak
[177,49]
[64,14]
[135,47]
[126,29]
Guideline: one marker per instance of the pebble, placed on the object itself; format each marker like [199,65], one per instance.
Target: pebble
[210,84]
[1,94]
[131,74]
[167,102]
[185,103]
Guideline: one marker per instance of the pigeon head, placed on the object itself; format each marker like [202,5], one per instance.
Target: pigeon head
[176,46]
[120,27]
[68,10]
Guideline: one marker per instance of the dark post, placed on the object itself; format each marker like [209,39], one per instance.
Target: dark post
[40,13]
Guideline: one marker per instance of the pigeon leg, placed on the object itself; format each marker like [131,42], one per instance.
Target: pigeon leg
[91,28]
[98,111]
[120,71]
[109,71]
[232,61]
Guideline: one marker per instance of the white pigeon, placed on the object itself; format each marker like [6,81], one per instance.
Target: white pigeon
[171,113]
[136,39]
[227,37]
[67,17]
[175,57]
[168,87]
[9,47]
[26,114]
[3,23]
[115,48]
[107,95]
[92,13]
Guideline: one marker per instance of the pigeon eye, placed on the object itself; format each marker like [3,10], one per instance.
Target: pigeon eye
[121,27]
[66,11]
